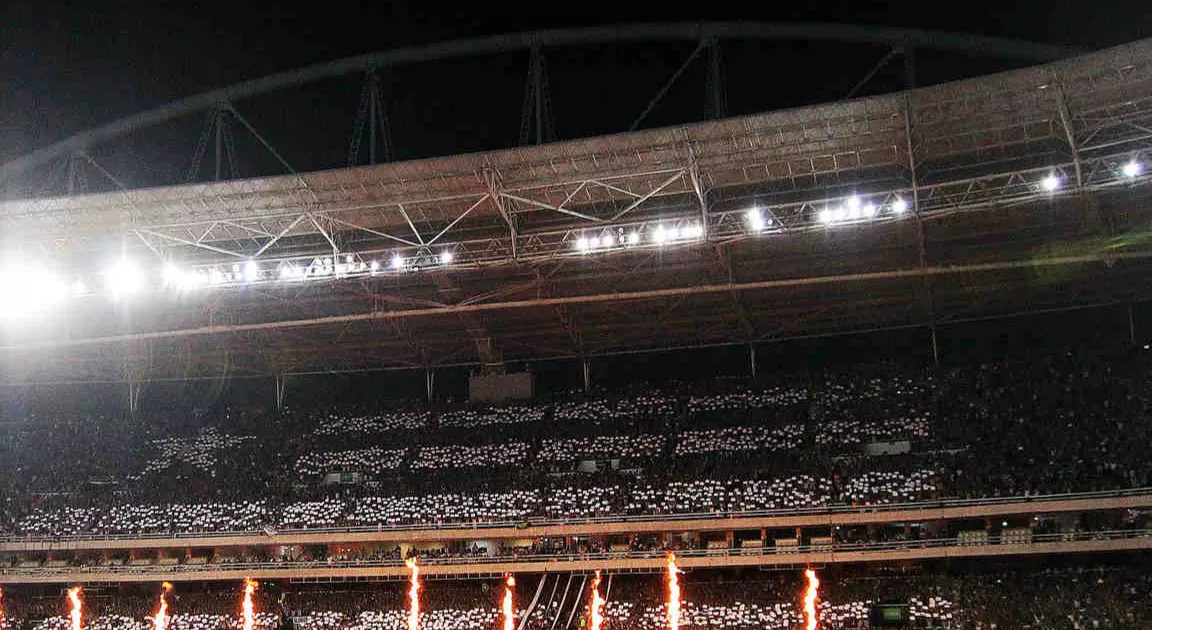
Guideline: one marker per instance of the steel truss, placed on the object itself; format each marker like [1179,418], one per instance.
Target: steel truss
[546,233]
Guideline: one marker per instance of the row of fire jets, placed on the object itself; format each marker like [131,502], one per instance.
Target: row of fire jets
[595,616]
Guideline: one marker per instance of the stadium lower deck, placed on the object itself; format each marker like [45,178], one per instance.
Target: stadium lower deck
[1099,592]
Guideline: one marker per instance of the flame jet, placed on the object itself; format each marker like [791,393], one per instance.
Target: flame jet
[672,592]
[414,598]
[160,618]
[597,619]
[76,607]
[810,600]
[248,604]
[507,605]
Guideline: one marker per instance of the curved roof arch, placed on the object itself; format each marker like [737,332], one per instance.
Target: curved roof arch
[496,44]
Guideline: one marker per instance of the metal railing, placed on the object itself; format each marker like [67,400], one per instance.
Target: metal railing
[477,561]
[549,522]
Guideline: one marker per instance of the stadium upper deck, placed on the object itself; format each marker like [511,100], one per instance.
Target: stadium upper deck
[1012,193]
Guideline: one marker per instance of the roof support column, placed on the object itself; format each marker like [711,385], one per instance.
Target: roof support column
[926,290]
[1064,116]
[280,389]
[698,186]
[428,384]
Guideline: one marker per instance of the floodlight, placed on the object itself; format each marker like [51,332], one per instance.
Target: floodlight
[447,257]
[674,234]
[825,216]
[899,206]
[755,218]
[397,261]
[870,210]
[1132,169]
[124,278]
[607,240]
[581,244]
[853,203]
[374,266]
[660,235]
[634,238]
[1051,182]
[250,269]
[349,258]
[841,214]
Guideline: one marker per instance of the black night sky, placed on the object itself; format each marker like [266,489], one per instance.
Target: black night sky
[67,67]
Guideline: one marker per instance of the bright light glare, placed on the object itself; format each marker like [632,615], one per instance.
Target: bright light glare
[841,214]
[825,216]
[634,237]
[250,271]
[870,210]
[1132,169]
[447,257]
[397,262]
[349,258]
[660,235]
[693,231]
[594,242]
[28,290]
[674,234]
[124,278]
[581,244]
[853,203]
[608,240]
[374,266]
[755,218]
[1051,183]
[899,206]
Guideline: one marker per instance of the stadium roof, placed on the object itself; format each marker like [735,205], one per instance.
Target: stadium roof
[906,209]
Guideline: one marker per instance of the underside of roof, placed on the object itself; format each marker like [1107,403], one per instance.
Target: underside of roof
[529,253]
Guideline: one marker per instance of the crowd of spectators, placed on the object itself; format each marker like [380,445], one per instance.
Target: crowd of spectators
[602,447]
[1062,424]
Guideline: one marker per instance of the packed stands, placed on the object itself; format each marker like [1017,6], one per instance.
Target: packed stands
[883,434]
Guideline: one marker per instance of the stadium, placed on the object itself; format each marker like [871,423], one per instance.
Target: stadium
[877,362]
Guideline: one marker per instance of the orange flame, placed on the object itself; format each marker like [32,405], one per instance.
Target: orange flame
[76,607]
[160,619]
[672,592]
[248,604]
[507,605]
[810,600]
[597,602]
[414,599]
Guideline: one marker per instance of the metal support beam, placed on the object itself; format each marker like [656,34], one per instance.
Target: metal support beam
[428,385]
[714,100]
[926,290]
[753,361]
[280,389]
[473,47]
[217,329]
[663,91]
[495,192]
[887,57]
[1064,116]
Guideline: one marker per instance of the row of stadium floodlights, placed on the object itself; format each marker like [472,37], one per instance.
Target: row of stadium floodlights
[33,288]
